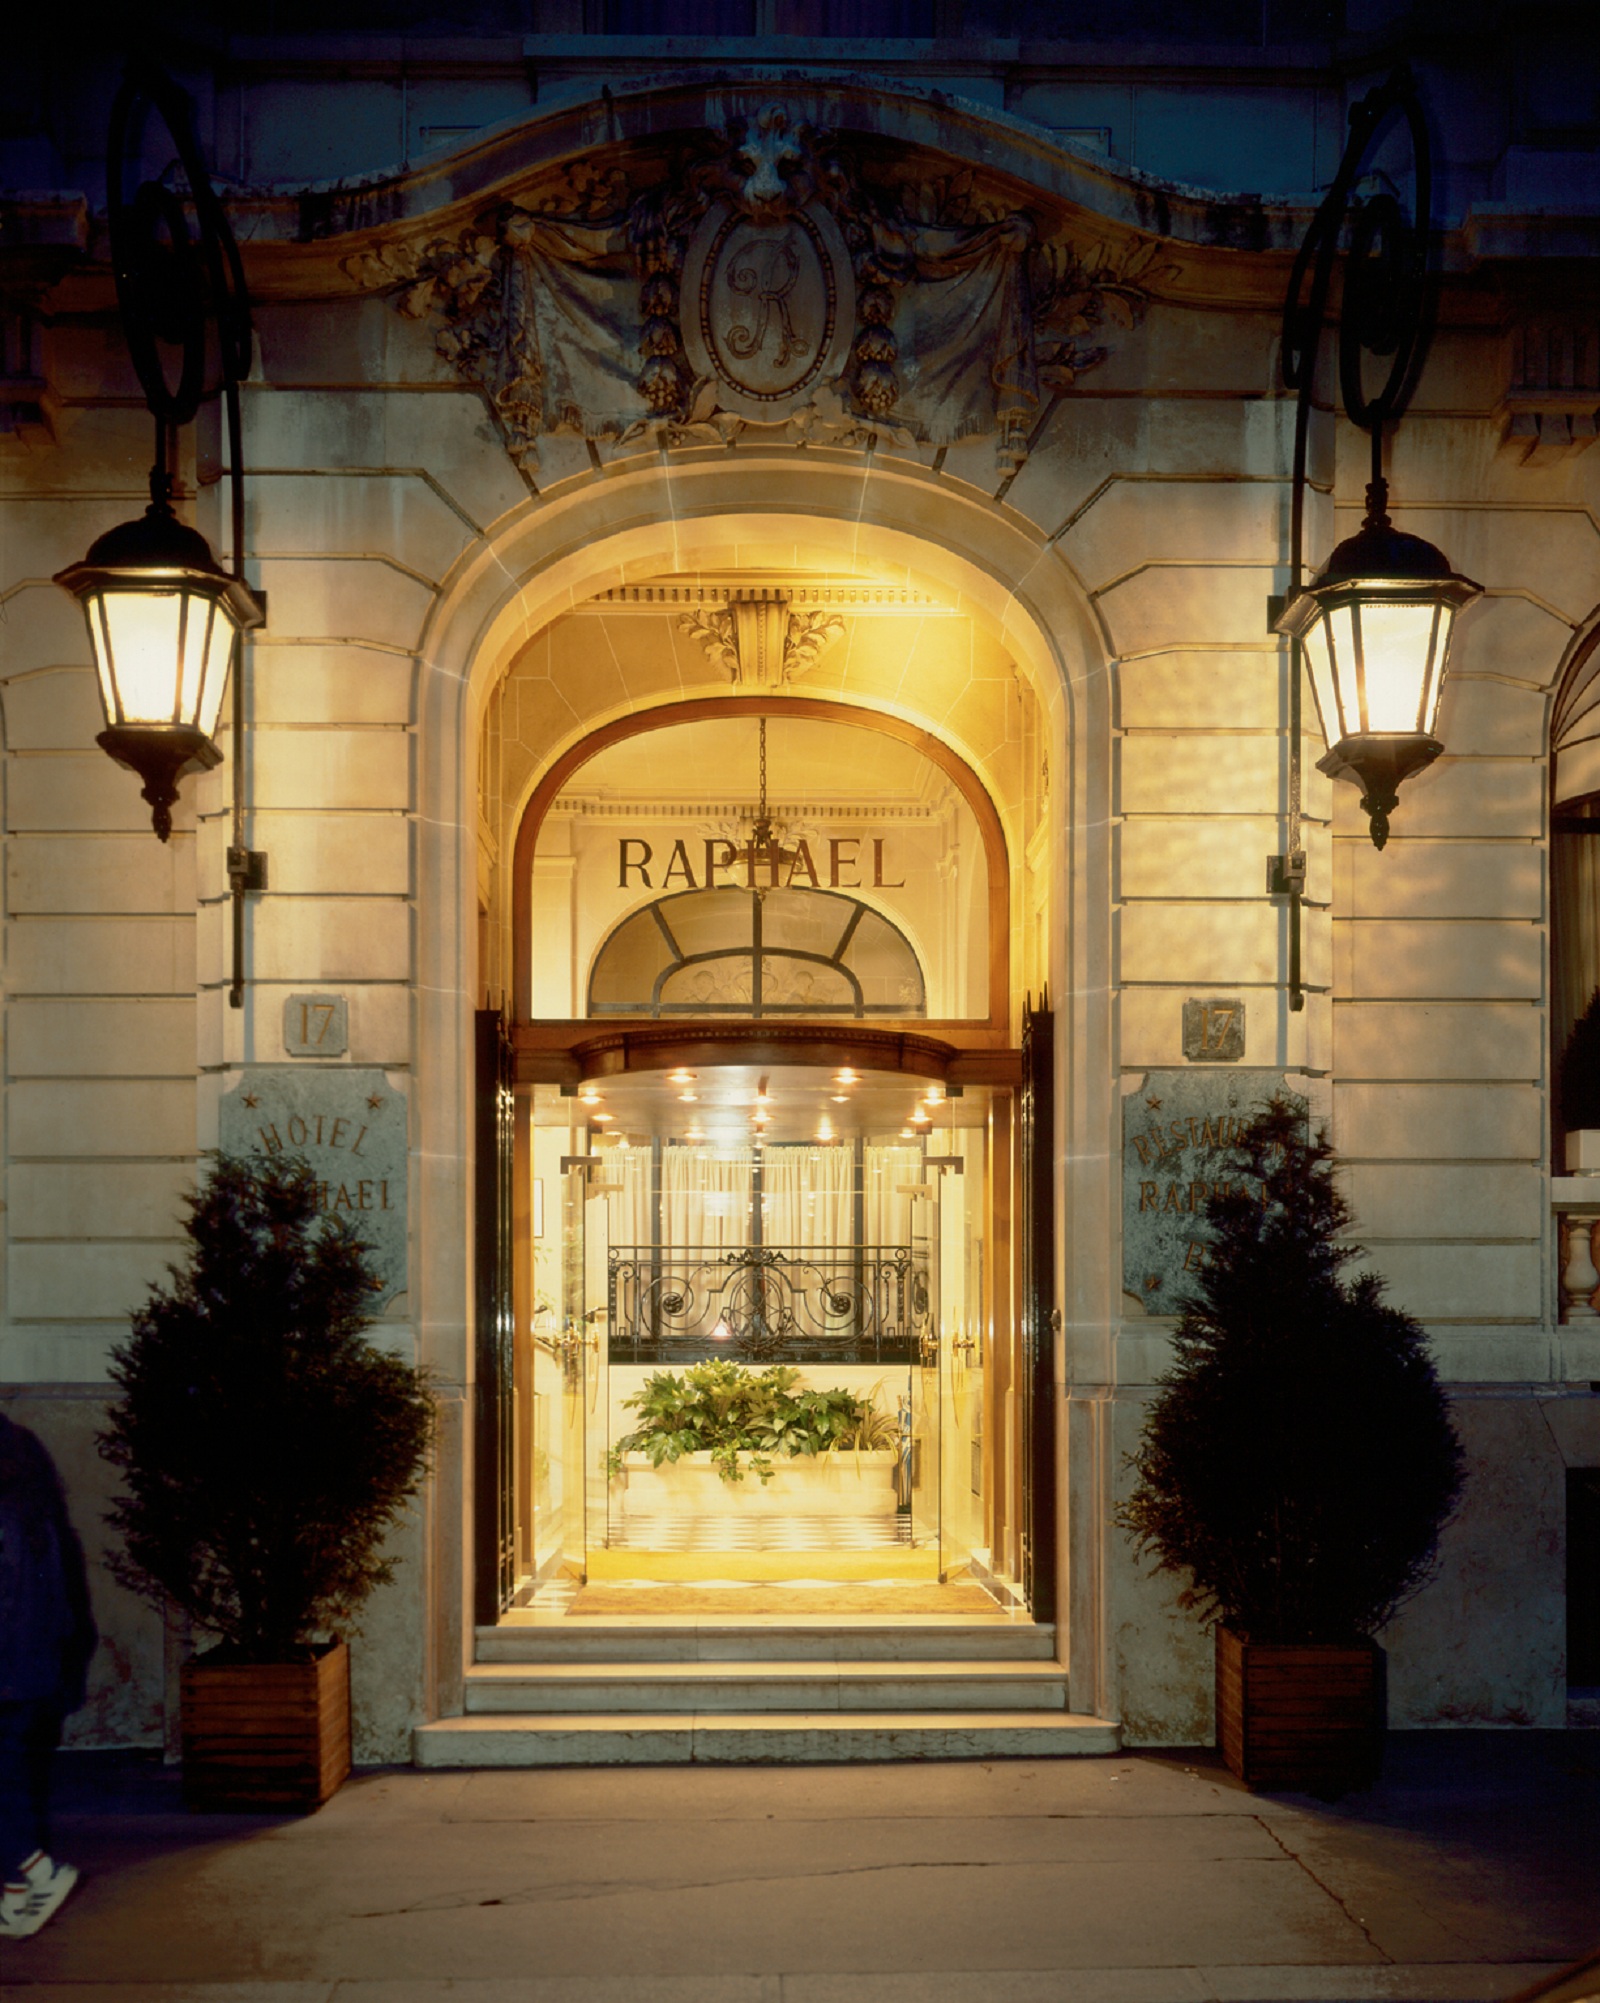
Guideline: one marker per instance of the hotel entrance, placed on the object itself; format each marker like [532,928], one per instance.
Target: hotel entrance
[768,1144]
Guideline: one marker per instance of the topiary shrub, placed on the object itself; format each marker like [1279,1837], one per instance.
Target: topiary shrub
[266,1444]
[1299,1462]
[1580,1071]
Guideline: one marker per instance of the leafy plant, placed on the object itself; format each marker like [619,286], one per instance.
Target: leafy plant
[1299,1463]
[728,1411]
[1580,1071]
[265,1443]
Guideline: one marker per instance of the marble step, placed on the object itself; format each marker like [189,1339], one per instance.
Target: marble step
[678,1687]
[561,1739]
[766,1641]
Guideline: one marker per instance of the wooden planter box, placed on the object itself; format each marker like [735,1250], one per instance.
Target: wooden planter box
[266,1736]
[1306,1718]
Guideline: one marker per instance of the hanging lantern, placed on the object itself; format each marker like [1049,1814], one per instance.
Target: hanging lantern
[1374,625]
[162,616]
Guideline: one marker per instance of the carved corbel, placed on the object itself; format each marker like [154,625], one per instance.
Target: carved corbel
[758,641]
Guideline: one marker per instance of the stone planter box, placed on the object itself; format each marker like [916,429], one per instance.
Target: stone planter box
[1307,1718]
[268,1736]
[1583,1151]
[842,1484]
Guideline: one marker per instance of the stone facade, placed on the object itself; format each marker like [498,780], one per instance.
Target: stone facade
[1103,528]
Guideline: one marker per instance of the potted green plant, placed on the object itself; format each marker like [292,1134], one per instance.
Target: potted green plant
[1579,1092]
[701,1435]
[266,1445]
[1297,1466]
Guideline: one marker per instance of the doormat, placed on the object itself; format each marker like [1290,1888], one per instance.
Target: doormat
[736,1601]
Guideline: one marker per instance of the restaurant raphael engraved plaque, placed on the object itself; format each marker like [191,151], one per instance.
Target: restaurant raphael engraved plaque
[1178,1132]
[351,1127]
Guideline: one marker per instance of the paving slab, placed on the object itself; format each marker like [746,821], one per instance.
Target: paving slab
[1135,1878]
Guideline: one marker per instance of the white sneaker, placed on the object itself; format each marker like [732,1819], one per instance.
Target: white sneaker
[25,1908]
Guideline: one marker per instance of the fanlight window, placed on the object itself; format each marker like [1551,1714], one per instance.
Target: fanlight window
[733,952]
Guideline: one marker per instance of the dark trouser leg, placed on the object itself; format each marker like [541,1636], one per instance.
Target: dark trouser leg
[28,1735]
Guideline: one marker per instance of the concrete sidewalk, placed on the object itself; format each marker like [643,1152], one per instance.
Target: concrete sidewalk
[1139,1878]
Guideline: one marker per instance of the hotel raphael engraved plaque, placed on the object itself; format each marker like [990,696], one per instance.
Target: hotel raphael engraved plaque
[351,1127]
[1178,1132]
[768,308]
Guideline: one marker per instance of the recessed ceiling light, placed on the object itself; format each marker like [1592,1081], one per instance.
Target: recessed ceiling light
[681,1077]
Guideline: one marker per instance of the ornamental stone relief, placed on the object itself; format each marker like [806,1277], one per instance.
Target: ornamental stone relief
[766,274]
[758,640]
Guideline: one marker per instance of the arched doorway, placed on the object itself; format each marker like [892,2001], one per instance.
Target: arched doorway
[581,545]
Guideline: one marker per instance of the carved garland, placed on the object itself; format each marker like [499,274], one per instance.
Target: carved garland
[843,311]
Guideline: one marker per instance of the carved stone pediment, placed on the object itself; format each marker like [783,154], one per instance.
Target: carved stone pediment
[767,273]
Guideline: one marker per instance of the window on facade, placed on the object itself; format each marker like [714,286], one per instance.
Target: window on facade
[1574,851]
[736,952]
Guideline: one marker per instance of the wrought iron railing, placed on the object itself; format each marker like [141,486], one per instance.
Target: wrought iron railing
[770,1304]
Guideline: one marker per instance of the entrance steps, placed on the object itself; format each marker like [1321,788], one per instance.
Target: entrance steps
[624,1694]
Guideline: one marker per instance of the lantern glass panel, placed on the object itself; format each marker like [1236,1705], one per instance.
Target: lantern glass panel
[218,653]
[1398,643]
[144,631]
[1324,682]
[1436,667]
[94,609]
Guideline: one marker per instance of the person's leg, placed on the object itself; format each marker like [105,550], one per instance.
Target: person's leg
[34,1884]
[43,1736]
[22,1829]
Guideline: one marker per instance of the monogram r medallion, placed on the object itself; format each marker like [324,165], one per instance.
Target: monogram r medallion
[769,307]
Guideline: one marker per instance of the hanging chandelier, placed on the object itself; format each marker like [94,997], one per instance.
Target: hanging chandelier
[765,846]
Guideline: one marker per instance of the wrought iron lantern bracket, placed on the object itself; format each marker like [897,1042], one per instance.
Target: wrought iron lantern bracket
[165,619]
[1376,676]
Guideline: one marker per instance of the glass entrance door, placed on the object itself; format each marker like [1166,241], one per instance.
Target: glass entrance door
[696,1248]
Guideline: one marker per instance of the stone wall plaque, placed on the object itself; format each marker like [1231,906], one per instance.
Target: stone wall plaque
[350,1125]
[1178,1131]
[1213,1029]
[316,1025]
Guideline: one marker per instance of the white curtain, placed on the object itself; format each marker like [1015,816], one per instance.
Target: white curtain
[889,1173]
[624,1175]
[805,1197]
[705,1200]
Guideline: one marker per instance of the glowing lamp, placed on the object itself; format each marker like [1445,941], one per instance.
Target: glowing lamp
[1374,625]
[162,616]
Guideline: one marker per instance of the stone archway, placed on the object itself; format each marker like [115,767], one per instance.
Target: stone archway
[545,559]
